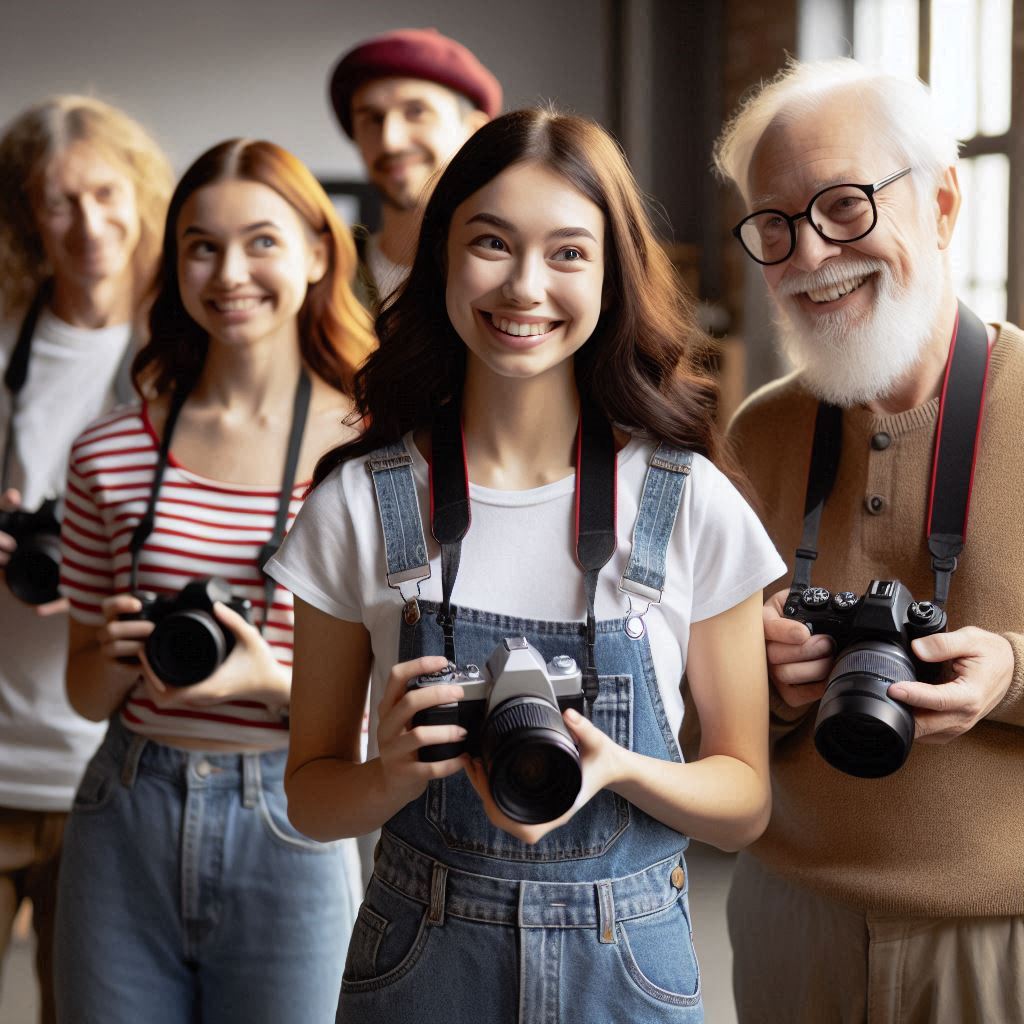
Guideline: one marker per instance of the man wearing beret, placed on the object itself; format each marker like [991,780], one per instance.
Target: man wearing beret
[408,99]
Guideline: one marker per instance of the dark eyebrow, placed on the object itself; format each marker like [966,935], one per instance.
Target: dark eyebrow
[500,222]
[195,229]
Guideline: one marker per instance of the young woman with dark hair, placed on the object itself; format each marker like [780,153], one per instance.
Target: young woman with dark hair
[535,370]
[185,894]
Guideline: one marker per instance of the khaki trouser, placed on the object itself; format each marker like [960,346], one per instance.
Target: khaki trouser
[29,861]
[799,958]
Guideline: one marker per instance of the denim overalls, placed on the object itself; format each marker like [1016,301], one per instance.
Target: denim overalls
[463,923]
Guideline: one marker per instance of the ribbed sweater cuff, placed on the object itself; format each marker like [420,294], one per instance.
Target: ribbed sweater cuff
[1011,708]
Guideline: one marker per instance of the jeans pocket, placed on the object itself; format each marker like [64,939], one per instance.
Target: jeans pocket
[657,952]
[98,784]
[390,934]
[273,812]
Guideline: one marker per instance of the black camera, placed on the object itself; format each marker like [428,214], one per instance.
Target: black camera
[860,729]
[33,572]
[188,643]
[512,712]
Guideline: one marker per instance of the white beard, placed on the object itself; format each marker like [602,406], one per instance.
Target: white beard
[847,359]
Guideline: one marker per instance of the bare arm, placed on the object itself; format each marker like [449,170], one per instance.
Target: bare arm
[331,793]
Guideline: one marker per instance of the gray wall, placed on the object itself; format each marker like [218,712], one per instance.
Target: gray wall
[198,71]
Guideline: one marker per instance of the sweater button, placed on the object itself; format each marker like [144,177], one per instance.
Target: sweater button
[875,504]
[881,441]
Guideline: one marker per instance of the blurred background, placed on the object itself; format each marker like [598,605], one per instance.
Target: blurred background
[660,74]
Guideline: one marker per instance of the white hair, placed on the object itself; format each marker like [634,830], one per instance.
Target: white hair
[906,120]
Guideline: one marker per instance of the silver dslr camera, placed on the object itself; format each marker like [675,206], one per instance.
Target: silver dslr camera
[512,713]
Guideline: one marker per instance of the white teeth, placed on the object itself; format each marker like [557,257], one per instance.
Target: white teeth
[836,291]
[517,330]
[236,305]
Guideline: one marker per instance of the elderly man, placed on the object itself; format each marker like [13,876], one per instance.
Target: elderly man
[898,896]
[408,99]
[83,195]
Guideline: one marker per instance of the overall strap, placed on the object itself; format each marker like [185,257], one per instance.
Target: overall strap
[398,507]
[644,577]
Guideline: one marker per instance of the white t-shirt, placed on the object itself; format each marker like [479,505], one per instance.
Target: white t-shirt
[44,744]
[387,275]
[517,560]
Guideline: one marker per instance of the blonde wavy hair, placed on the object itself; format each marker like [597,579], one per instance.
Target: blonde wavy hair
[29,145]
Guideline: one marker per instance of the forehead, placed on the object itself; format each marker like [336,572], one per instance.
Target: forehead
[83,166]
[226,207]
[535,200]
[798,155]
[385,93]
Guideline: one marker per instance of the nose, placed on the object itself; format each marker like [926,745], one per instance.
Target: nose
[90,214]
[394,132]
[233,267]
[811,249]
[524,285]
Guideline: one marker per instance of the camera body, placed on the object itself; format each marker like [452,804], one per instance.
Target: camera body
[512,713]
[188,643]
[33,572]
[860,729]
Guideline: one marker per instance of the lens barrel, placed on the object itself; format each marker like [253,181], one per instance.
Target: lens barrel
[860,729]
[186,647]
[33,573]
[532,762]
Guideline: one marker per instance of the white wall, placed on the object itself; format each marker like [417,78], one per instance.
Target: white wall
[199,71]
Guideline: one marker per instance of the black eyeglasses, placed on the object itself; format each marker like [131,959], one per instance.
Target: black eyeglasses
[839,213]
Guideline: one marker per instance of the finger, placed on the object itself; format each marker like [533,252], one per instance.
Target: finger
[235,622]
[135,630]
[10,500]
[58,607]
[405,671]
[961,643]
[8,544]
[121,649]
[120,604]
[801,672]
[584,732]
[153,681]
[801,694]
[815,649]
[773,606]
[428,736]
[942,697]
[399,718]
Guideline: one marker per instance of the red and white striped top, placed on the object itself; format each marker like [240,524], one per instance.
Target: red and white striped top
[203,528]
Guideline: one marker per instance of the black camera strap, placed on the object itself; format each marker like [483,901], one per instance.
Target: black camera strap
[957,436]
[300,410]
[596,482]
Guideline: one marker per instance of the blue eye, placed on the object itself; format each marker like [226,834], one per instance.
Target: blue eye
[264,242]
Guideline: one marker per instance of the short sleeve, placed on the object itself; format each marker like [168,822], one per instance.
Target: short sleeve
[86,562]
[317,561]
[733,555]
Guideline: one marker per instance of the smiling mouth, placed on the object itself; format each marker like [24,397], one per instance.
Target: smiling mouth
[235,305]
[519,329]
[832,292]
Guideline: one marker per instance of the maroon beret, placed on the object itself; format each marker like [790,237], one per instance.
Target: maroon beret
[413,53]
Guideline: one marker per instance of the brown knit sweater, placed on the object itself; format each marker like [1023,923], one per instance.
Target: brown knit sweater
[944,835]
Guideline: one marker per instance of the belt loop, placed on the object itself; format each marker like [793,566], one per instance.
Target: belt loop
[250,780]
[606,911]
[130,765]
[438,881]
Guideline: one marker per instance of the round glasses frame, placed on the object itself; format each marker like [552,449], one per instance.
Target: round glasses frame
[868,190]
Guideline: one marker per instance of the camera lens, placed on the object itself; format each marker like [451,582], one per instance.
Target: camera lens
[186,647]
[860,729]
[33,573]
[533,765]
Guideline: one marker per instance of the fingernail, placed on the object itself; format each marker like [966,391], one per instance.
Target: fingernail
[572,714]
[897,692]
[460,732]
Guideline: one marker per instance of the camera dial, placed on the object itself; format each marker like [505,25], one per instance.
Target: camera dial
[815,597]
[844,601]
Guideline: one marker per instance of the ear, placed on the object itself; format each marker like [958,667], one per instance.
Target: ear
[947,206]
[317,259]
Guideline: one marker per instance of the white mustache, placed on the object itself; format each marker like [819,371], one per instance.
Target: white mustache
[829,275]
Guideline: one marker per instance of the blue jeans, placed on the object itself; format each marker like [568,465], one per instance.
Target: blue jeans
[186,896]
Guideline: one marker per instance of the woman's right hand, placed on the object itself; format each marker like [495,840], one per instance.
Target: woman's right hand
[10,501]
[399,741]
[798,663]
[120,640]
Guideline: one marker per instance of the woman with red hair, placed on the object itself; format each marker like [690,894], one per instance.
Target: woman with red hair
[185,893]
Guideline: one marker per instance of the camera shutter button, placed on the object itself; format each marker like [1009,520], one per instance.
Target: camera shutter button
[815,597]
[922,612]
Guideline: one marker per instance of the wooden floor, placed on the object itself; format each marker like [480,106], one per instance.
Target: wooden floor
[710,872]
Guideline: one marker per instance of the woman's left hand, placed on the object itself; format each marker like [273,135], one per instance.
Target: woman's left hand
[250,672]
[600,761]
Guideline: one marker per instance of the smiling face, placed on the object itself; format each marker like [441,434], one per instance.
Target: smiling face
[407,129]
[525,271]
[245,261]
[855,316]
[86,214]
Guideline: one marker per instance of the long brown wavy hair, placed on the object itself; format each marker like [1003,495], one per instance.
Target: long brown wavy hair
[29,145]
[637,366]
[335,332]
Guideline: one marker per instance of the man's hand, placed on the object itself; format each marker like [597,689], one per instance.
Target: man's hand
[983,663]
[798,663]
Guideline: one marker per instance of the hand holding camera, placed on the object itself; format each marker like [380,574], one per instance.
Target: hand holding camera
[30,553]
[798,662]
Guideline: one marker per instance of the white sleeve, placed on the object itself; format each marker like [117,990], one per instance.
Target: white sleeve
[318,560]
[732,554]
